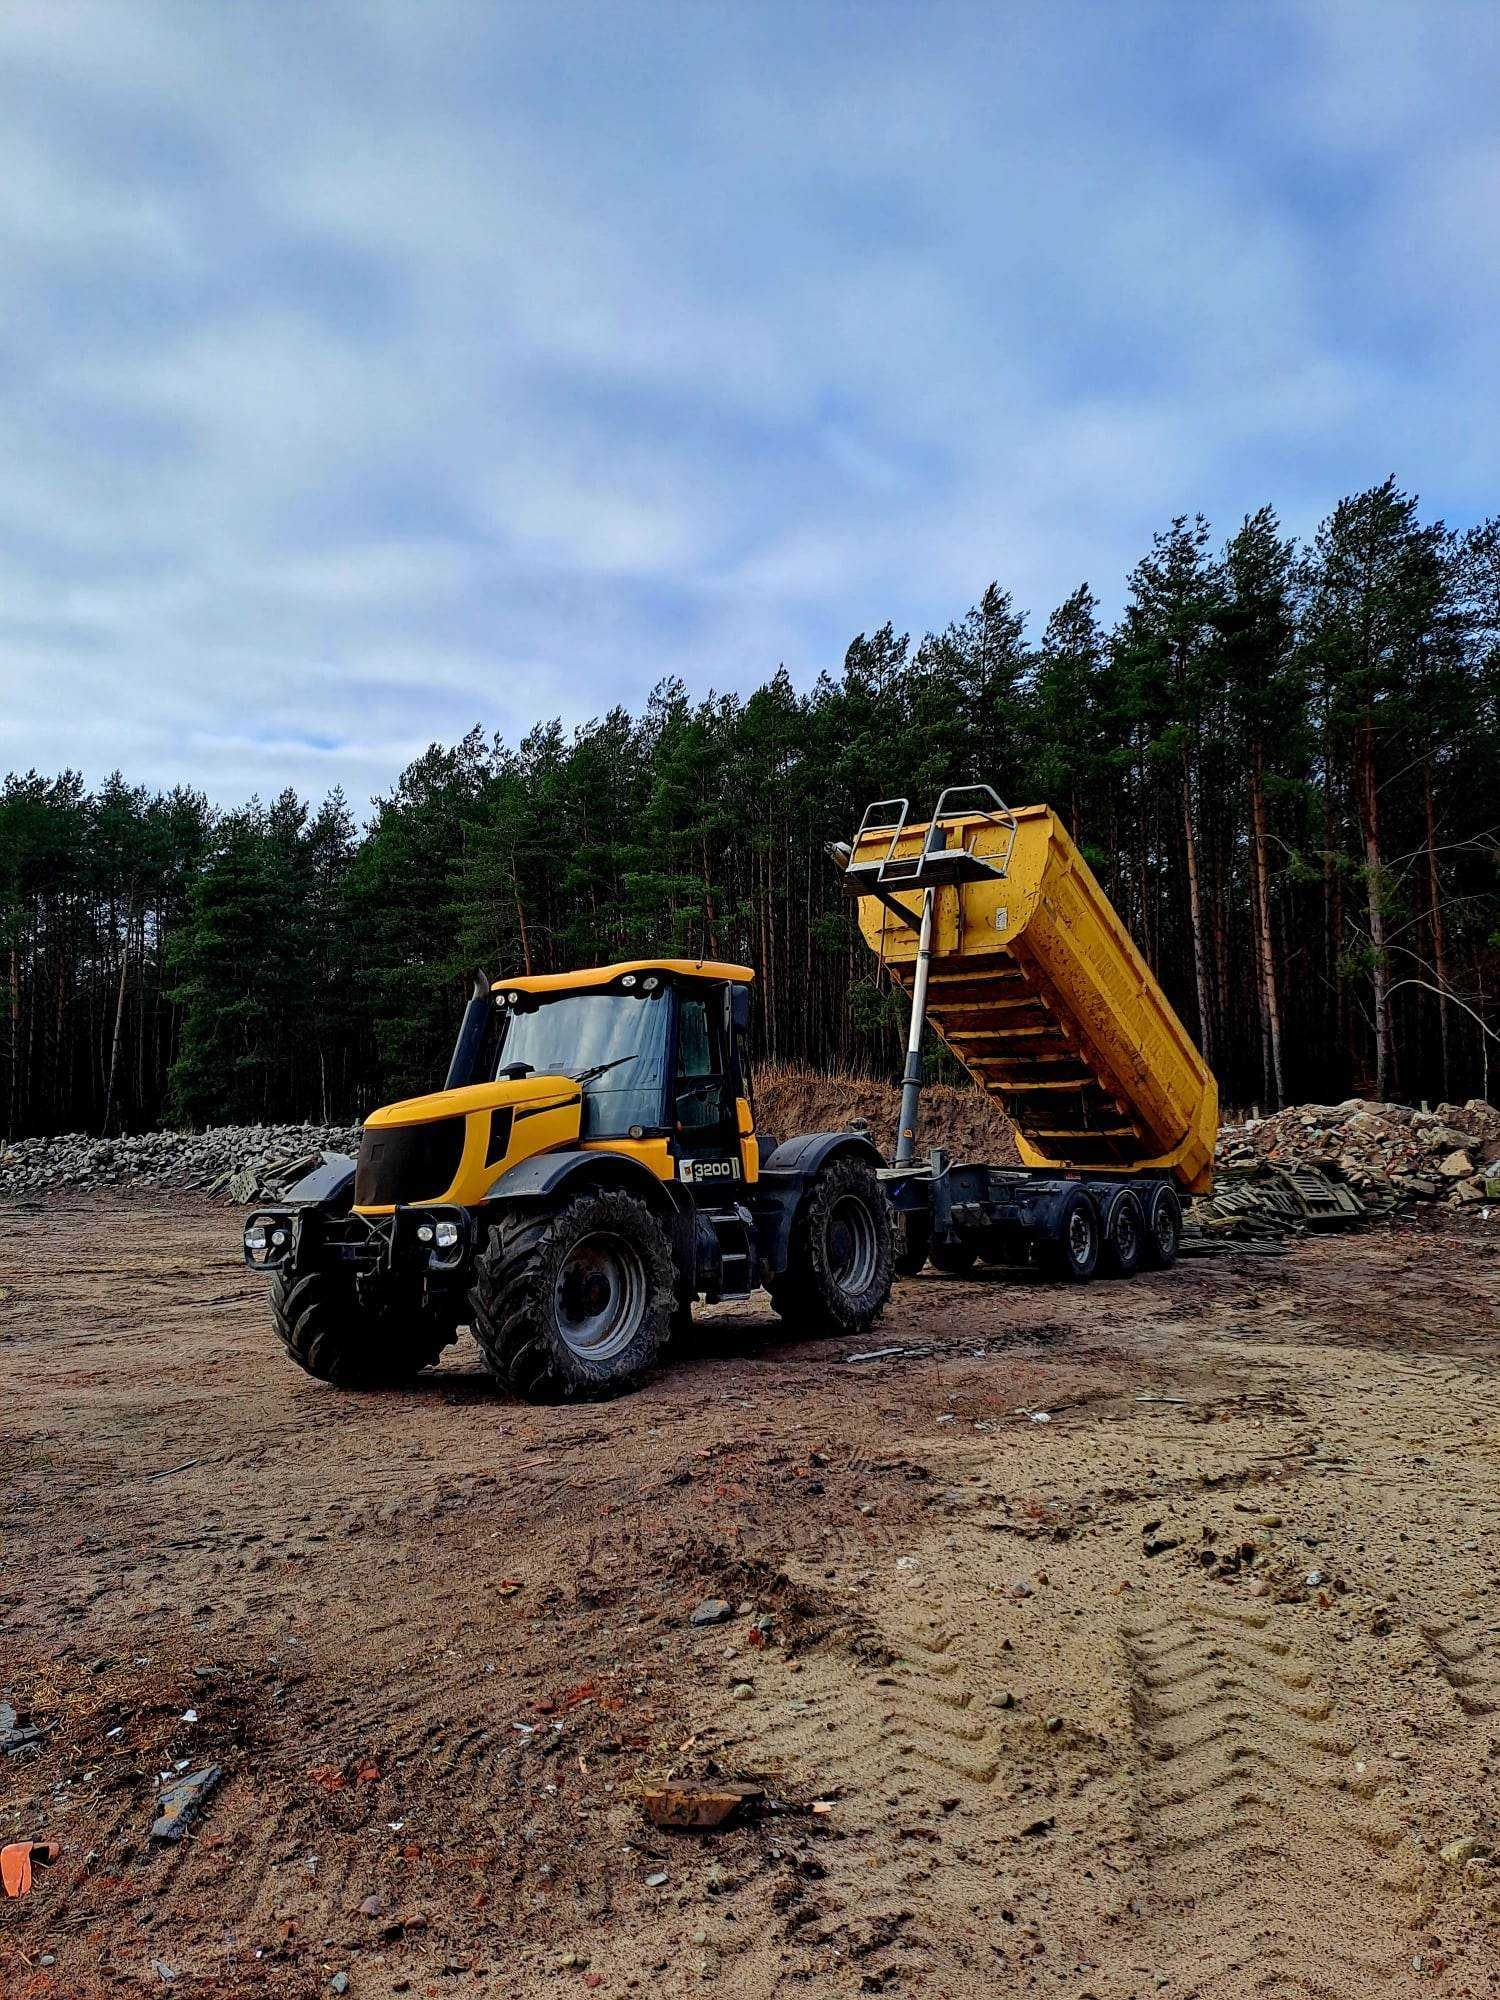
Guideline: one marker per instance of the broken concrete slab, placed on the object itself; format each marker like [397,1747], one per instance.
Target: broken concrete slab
[182,1802]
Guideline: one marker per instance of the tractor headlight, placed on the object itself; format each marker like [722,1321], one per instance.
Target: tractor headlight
[424,1232]
[445,1235]
[267,1240]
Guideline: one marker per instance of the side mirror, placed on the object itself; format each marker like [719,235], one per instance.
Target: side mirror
[739,1004]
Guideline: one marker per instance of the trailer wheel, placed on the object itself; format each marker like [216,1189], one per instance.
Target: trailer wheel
[954,1258]
[1163,1228]
[841,1259]
[1075,1253]
[1124,1237]
[320,1322]
[912,1239]
[576,1301]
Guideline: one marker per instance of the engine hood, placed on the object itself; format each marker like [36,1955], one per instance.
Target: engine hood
[452,1146]
[516,1092]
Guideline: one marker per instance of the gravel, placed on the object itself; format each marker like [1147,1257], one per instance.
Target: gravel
[242,1162]
[1385,1151]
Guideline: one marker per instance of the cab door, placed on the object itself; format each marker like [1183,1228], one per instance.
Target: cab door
[707,1118]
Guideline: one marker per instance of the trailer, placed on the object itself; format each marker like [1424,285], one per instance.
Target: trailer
[992,922]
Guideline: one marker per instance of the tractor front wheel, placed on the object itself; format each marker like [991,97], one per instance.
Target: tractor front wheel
[841,1259]
[322,1324]
[575,1301]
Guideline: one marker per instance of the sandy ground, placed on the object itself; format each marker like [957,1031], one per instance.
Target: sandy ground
[1181,1691]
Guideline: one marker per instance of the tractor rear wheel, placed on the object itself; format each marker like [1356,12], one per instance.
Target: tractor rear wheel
[576,1301]
[841,1259]
[322,1324]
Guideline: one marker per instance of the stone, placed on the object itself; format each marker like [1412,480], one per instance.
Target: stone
[1468,1848]
[742,1691]
[182,1802]
[712,1611]
[339,1983]
[1456,1166]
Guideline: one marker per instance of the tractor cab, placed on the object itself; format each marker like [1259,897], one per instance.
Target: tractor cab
[656,1049]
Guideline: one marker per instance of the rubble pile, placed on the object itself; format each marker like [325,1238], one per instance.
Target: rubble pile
[1387,1153]
[243,1162]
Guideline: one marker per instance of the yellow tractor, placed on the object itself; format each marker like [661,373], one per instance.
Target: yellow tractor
[590,1168]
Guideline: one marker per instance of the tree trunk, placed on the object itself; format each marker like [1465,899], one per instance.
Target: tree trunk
[12,1122]
[1369,823]
[1270,1007]
[515,887]
[1195,913]
[1435,918]
[115,1039]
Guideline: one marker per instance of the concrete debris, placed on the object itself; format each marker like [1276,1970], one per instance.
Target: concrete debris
[243,1163]
[1383,1154]
[180,1804]
[1330,1165]
[14,1733]
[697,1808]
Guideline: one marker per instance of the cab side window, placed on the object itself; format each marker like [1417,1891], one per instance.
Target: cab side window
[694,1044]
[700,1084]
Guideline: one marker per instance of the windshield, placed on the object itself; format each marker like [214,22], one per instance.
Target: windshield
[621,1036]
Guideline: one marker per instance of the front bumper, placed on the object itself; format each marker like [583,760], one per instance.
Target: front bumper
[433,1243]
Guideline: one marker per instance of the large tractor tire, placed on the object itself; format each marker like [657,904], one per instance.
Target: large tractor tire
[320,1322]
[841,1259]
[574,1302]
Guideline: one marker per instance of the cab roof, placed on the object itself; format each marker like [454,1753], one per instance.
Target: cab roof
[593,976]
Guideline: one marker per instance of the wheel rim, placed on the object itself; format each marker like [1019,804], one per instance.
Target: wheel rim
[853,1245]
[1126,1240]
[1166,1228]
[600,1296]
[1080,1235]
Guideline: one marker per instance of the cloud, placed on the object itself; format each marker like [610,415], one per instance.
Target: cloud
[368,370]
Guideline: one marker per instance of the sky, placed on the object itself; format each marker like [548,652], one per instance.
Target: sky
[373,368]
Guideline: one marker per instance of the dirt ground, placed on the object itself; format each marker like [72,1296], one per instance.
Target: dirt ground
[1136,1639]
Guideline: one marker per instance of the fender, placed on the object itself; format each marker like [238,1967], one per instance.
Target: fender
[545,1174]
[804,1155]
[329,1186]
[785,1178]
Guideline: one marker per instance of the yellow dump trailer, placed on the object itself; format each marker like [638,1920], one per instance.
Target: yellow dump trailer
[994,924]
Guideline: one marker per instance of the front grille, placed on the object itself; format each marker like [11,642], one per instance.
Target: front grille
[402,1163]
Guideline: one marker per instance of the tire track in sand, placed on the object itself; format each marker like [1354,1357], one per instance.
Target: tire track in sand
[910,1749]
[1470,1663]
[1268,1867]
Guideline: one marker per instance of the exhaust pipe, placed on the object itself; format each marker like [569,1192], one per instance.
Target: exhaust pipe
[471,1036]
